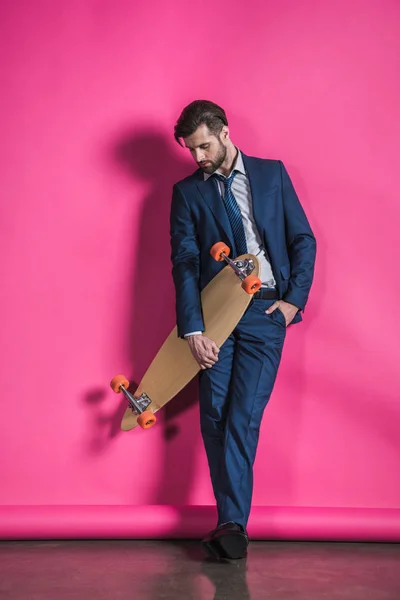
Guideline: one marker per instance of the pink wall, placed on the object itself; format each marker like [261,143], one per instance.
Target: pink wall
[91,91]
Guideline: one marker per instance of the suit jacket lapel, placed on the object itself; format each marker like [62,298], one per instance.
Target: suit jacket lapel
[259,192]
[210,193]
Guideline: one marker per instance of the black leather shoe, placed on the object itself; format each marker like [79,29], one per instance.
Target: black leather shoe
[227,541]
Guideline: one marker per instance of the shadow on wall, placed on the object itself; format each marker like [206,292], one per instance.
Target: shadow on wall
[153,161]
[151,157]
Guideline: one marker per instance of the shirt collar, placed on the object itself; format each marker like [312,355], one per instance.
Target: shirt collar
[237,166]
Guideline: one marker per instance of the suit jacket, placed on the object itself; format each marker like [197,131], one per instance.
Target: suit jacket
[198,220]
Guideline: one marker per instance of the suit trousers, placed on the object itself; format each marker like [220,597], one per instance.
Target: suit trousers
[233,395]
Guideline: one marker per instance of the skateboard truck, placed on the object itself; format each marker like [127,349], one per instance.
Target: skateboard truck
[146,418]
[243,268]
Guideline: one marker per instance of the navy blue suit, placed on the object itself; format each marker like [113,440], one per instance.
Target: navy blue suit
[235,391]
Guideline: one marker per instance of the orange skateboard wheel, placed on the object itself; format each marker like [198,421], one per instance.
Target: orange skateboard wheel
[117,381]
[218,249]
[147,419]
[251,284]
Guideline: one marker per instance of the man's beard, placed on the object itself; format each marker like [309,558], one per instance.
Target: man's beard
[215,164]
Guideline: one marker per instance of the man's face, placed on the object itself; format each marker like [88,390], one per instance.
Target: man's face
[208,151]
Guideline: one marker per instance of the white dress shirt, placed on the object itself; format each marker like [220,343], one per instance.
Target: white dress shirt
[242,192]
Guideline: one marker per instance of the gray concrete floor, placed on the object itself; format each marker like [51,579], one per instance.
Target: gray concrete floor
[166,570]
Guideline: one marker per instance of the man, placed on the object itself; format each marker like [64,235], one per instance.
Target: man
[250,204]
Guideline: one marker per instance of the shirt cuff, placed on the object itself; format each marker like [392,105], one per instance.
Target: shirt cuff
[193,333]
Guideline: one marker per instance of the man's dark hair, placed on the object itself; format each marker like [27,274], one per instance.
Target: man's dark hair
[198,113]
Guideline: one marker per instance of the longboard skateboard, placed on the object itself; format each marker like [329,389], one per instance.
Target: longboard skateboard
[224,301]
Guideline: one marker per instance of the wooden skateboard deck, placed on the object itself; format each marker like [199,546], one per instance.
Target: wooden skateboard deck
[224,302]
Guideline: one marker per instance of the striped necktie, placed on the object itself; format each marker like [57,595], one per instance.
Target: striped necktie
[234,214]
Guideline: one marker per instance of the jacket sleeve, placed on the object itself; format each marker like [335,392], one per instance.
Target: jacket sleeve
[301,245]
[185,256]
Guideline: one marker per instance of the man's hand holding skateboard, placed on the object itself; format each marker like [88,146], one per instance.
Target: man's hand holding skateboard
[204,350]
